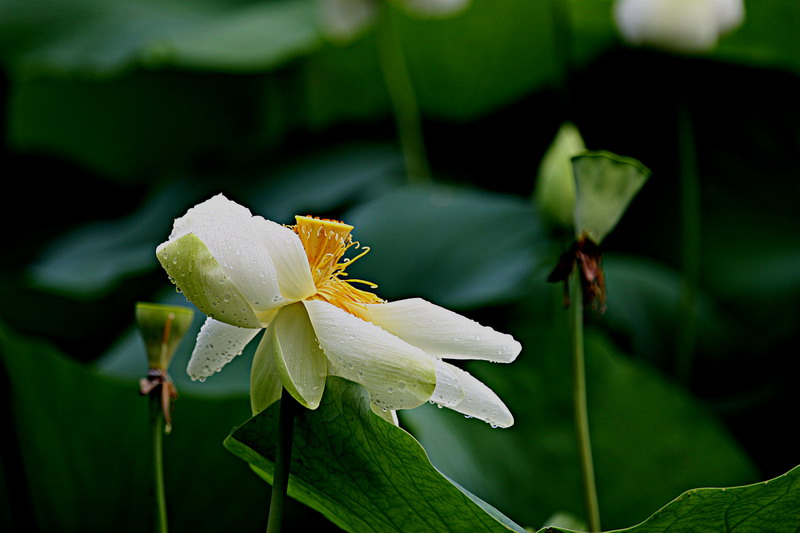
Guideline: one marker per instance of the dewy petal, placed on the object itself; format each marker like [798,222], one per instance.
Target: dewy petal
[478,400]
[299,359]
[448,391]
[217,344]
[202,280]
[443,333]
[396,374]
[265,381]
[235,240]
[388,415]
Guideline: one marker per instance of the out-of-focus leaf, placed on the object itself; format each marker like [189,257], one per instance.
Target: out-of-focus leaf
[92,36]
[90,260]
[643,305]
[643,429]
[85,448]
[362,472]
[250,38]
[768,506]
[460,247]
[326,182]
[768,37]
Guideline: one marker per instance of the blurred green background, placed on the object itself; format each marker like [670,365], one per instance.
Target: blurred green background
[118,116]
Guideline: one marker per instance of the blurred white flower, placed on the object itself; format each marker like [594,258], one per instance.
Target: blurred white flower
[688,26]
[249,274]
[344,19]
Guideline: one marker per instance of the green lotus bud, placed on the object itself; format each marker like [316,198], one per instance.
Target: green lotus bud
[605,185]
[555,182]
[162,328]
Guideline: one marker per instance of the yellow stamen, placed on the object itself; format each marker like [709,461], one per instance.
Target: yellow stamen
[325,243]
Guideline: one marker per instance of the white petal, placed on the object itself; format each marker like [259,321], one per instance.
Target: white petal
[290,260]
[681,25]
[217,344]
[299,359]
[242,245]
[479,401]
[448,391]
[396,374]
[194,270]
[387,414]
[265,381]
[443,333]
[729,14]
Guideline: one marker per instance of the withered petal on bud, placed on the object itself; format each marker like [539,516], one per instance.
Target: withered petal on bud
[159,385]
[587,255]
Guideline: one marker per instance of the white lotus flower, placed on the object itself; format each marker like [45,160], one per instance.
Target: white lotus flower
[249,274]
[678,25]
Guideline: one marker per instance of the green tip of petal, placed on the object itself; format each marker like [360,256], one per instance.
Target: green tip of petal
[605,184]
[162,328]
[202,280]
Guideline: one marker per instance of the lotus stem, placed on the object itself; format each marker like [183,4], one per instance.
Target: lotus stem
[404,100]
[580,404]
[283,461]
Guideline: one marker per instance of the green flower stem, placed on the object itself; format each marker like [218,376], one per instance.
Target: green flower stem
[690,236]
[283,460]
[157,423]
[579,398]
[404,100]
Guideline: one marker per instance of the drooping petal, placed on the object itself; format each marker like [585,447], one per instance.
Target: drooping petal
[217,344]
[265,381]
[299,359]
[443,333]
[196,272]
[478,400]
[448,391]
[396,374]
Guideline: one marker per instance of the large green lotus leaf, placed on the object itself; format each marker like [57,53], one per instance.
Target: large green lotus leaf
[92,36]
[457,246]
[362,472]
[651,441]
[768,506]
[78,451]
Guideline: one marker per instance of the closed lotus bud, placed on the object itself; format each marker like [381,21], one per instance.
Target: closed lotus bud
[689,26]
[555,182]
